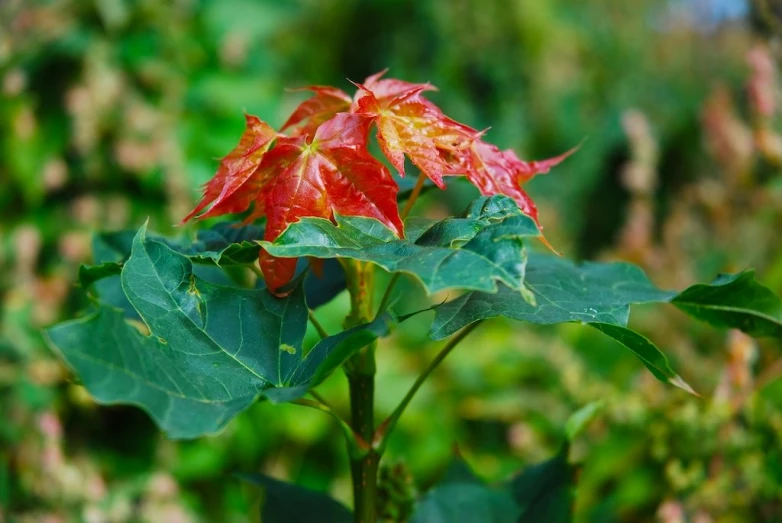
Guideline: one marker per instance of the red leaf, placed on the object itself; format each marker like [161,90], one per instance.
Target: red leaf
[408,124]
[226,192]
[501,172]
[327,102]
[335,173]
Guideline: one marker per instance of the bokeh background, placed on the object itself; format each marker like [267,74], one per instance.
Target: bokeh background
[112,111]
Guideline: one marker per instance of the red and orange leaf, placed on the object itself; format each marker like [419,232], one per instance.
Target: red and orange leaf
[227,192]
[312,112]
[410,125]
[502,172]
[334,173]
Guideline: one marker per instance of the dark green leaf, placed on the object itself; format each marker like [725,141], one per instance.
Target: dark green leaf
[89,274]
[321,289]
[599,294]
[288,503]
[223,244]
[463,498]
[647,352]
[473,252]
[735,301]
[545,491]
[211,350]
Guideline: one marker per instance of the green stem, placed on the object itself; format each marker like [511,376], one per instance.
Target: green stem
[387,295]
[318,327]
[360,370]
[419,184]
[357,446]
[381,436]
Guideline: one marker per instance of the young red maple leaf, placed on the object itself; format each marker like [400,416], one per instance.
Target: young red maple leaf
[227,192]
[327,102]
[409,124]
[494,171]
[333,173]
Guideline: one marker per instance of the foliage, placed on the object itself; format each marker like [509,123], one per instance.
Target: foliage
[114,112]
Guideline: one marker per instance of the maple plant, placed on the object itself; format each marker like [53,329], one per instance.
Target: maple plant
[177,327]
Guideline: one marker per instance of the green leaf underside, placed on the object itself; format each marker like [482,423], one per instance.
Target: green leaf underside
[474,252]
[542,493]
[285,503]
[212,350]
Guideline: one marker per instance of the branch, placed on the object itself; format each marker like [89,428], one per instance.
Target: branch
[356,444]
[385,428]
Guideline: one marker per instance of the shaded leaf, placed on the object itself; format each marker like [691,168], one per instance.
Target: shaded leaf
[473,252]
[211,350]
[223,244]
[463,498]
[545,491]
[285,503]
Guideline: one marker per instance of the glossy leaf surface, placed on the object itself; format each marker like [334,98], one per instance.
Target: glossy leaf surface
[473,252]
[211,350]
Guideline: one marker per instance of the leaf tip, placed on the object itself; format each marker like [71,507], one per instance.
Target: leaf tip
[677,381]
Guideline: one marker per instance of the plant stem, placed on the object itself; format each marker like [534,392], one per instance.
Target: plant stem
[360,370]
[419,184]
[381,436]
[387,295]
[318,327]
[357,446]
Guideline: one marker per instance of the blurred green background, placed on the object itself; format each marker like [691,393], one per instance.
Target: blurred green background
[112,111]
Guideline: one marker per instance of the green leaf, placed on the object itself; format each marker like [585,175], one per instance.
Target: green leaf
[735,301]
[600,295]
[224,244]
[211,350]
[89,274]
[286,503]
[463,498]
[647,352]
[579,420]
[545,491]
[476,251]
